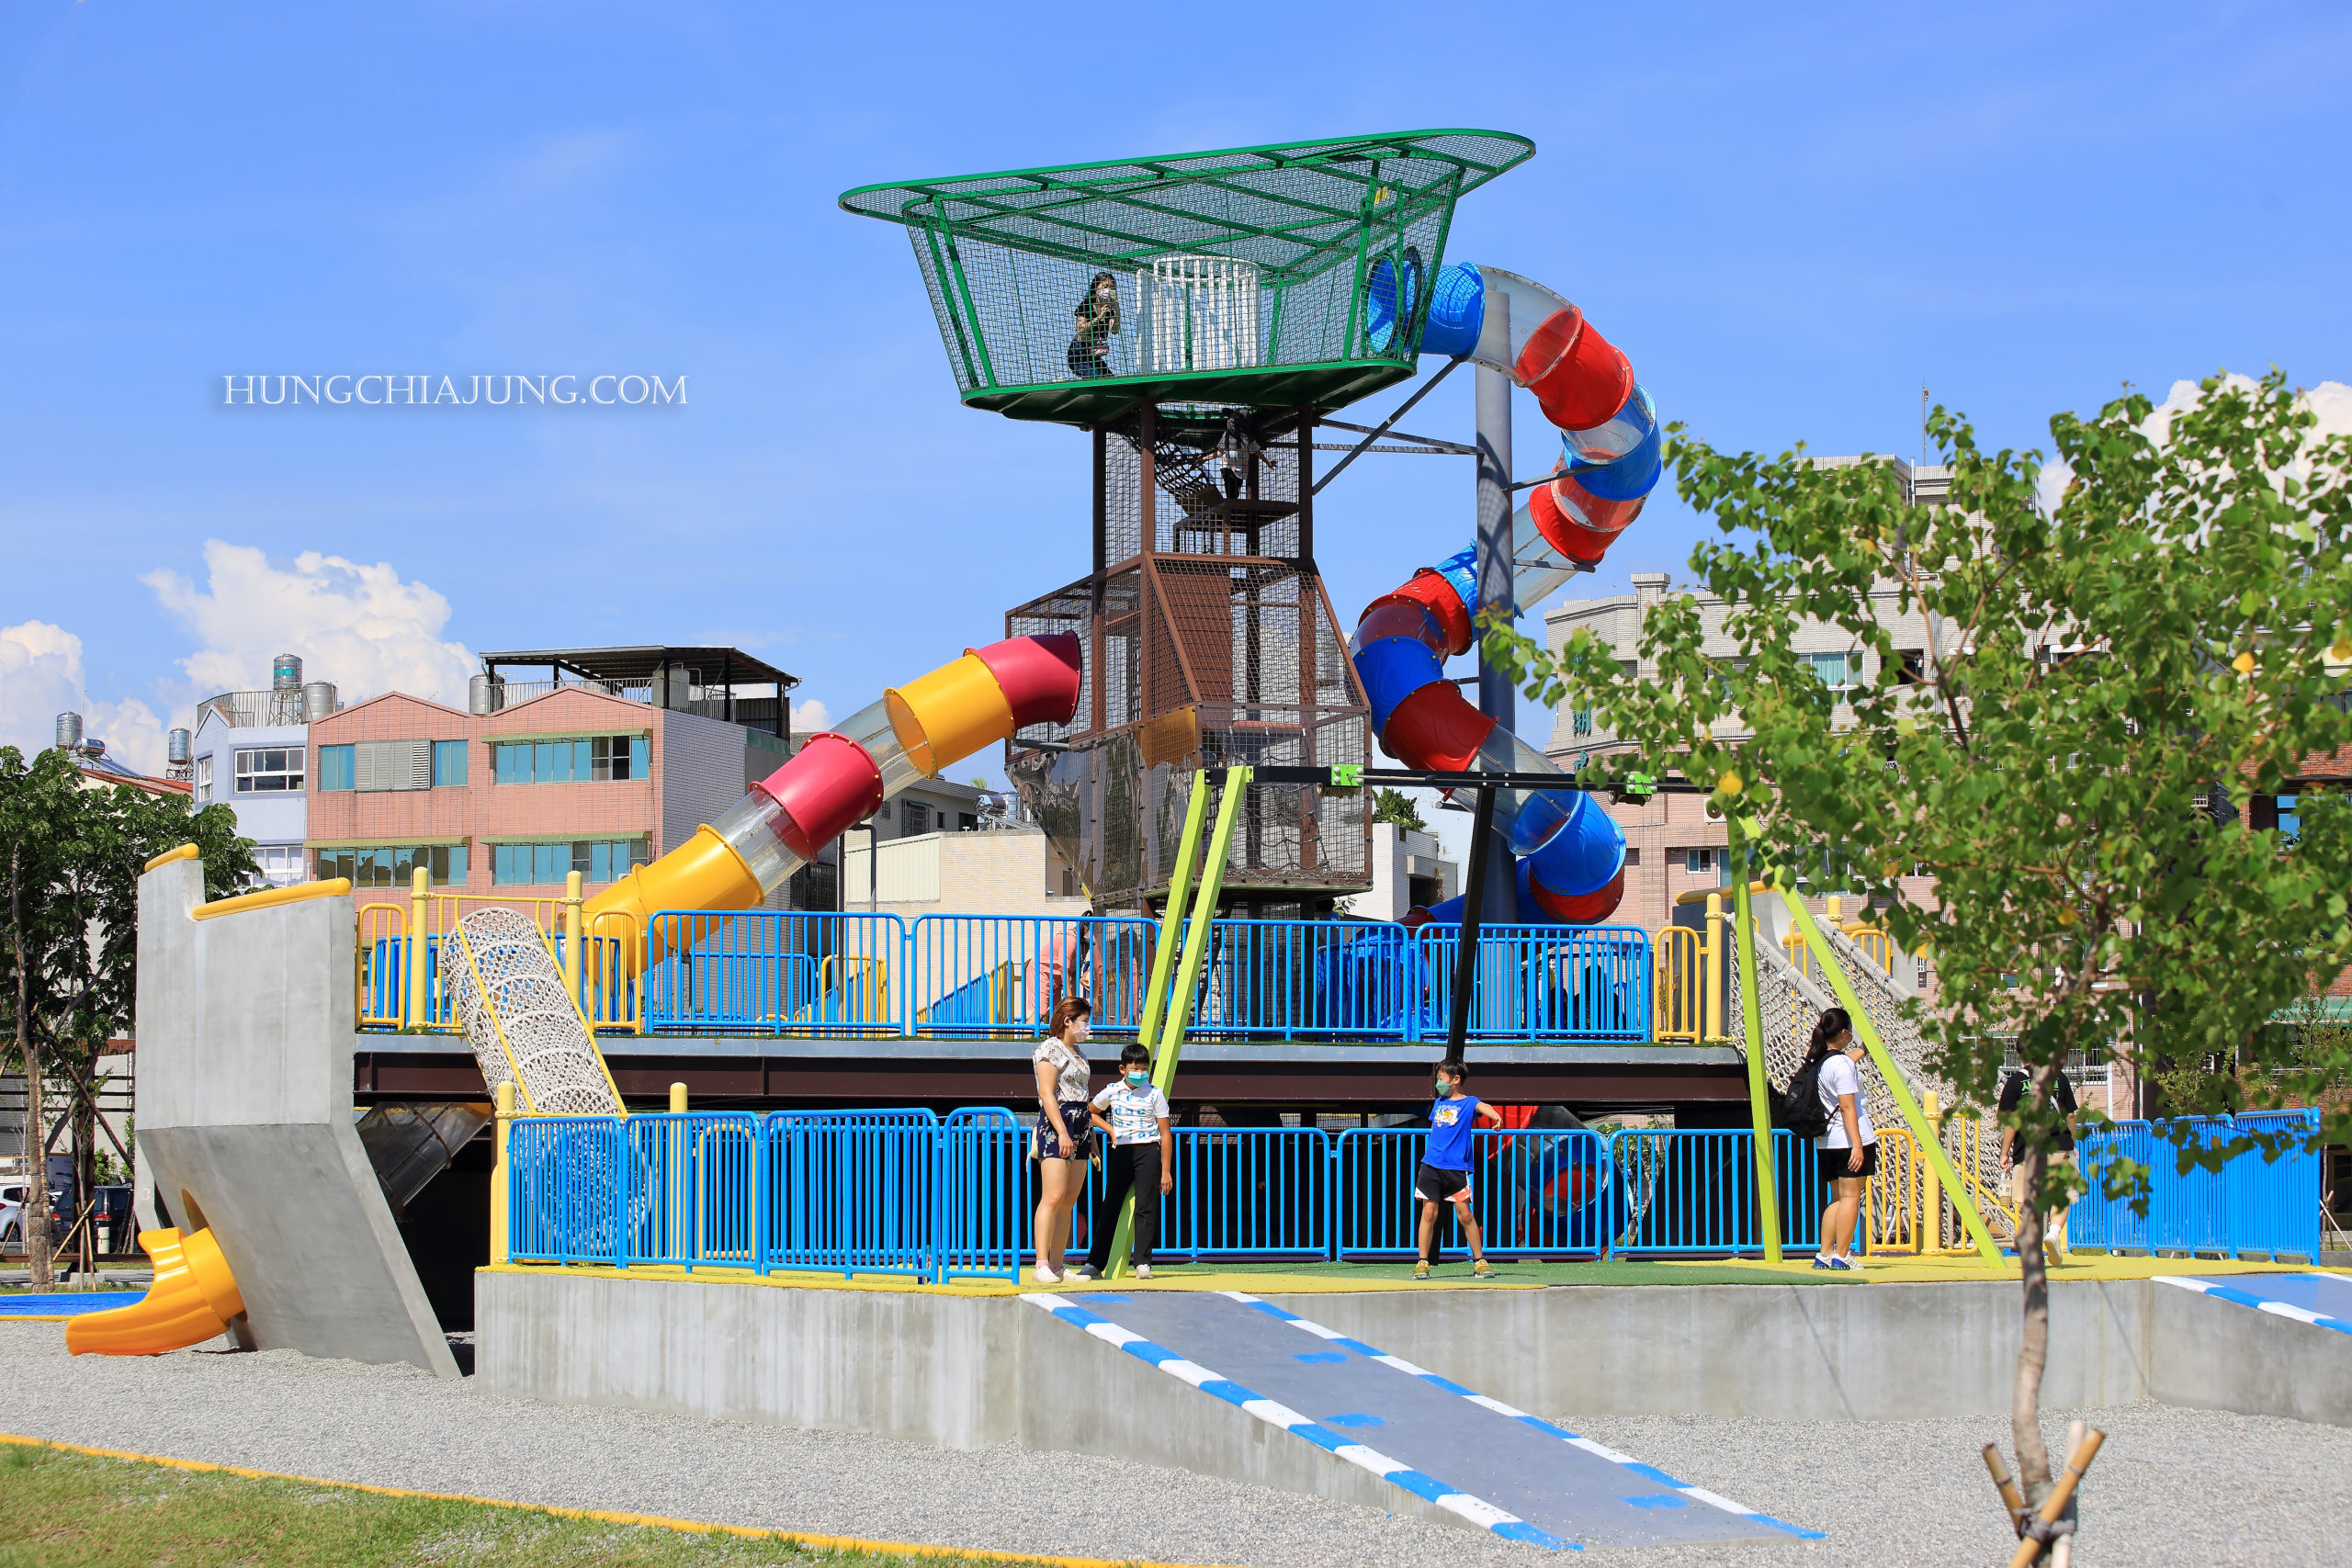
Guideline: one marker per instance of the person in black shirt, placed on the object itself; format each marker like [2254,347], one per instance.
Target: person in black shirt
[1098,318]
[2062,1152]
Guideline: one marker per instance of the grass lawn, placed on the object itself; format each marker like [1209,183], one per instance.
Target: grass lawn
[61,1509]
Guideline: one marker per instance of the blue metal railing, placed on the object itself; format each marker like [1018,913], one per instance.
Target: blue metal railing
[998,975]
[1534,1193]
[1309,980]
[1001,974]
[1686,1192]
[1546,982]
[771,972]
[907,1192]
[2251,1204]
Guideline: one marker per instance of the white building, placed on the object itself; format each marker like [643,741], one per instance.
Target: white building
[1409,871]
[250,752]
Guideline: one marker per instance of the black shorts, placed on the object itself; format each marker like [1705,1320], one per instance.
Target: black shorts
[1833,1165]
[1431,1185]
[1045,1143]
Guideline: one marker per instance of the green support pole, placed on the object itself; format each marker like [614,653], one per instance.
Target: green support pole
[1751,1018]
[1912,1117]
[1171,918]
[1188,976]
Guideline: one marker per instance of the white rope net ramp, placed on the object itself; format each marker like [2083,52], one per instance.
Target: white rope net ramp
[520,994]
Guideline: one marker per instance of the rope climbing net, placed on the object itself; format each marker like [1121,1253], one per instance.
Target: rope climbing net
[523,1023]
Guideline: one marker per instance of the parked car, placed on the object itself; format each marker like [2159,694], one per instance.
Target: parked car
[12,1215]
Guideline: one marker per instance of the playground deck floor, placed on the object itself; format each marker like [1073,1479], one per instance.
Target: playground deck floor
[1311,1277]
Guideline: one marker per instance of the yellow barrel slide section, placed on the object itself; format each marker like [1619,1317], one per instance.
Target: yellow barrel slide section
[192,1300]
[949,714]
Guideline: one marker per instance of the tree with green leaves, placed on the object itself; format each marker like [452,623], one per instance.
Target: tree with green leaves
[2105,681]
[73,854]
[1395,806]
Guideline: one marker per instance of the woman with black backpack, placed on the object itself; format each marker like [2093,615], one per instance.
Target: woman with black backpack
[1836,1117]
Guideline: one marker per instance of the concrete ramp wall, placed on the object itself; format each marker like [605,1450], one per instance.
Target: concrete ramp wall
[244,1121]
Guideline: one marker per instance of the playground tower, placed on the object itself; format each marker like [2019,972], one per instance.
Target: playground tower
[1195,315]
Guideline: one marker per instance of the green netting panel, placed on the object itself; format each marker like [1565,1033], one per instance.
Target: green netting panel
[1269,277]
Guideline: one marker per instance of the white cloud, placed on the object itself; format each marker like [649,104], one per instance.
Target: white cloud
[40,677]
[2331,400]
[360,627]
[810,715]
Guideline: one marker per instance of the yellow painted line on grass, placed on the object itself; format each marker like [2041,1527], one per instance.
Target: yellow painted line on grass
[601,1515]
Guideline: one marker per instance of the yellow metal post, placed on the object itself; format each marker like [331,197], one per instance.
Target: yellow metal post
[1931,1189]
[420,904]
[1187,974]
[1751,1018]
[571,902]
[499,1172]
[1710,971]
[1835,973]
[677,1100]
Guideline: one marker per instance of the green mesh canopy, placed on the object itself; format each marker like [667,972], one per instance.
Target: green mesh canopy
[1272,276]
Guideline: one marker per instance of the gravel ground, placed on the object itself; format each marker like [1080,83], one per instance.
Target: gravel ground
[2172,1486]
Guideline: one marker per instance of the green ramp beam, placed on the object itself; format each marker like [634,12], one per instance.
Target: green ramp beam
[1197,952]
[1751,1018]
[1912,1118]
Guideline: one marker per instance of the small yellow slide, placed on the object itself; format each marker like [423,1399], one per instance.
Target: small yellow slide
[192,1300]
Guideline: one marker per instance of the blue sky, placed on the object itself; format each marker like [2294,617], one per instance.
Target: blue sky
[1789,218]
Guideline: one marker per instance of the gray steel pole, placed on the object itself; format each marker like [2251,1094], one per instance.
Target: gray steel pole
[1497,697]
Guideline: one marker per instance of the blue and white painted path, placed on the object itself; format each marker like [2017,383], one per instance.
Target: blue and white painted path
[1476,1457]
[2323,1300]
[62,1304]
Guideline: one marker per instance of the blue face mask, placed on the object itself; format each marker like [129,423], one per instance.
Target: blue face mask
[1137,1079]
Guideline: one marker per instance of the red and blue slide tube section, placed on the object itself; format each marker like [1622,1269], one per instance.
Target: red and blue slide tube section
[1570,855]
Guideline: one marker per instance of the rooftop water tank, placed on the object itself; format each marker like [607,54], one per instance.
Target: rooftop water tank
[485,694]
[286,672]
[318,701]
[176,746]
[69,730]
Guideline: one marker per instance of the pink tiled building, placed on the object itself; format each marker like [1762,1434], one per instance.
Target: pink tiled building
[536,780]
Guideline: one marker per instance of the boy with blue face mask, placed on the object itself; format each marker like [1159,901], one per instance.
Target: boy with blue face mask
[1444,1175]
[1142,1158]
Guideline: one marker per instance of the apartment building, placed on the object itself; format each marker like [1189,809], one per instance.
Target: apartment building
[612,760]
[251,752]
[1673,846]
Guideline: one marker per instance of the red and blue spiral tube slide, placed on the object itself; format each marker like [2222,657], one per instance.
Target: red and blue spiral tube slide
[840,777]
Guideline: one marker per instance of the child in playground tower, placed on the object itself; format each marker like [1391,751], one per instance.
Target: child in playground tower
[1444,1175]
[1143,1159]
[1097,319]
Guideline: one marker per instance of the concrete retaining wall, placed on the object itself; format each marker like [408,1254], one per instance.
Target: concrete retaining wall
[955,1371]
[1790,1352]
[243,1106]
[964,1373]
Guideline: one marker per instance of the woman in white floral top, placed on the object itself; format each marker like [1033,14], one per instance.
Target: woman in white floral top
[1065,1133]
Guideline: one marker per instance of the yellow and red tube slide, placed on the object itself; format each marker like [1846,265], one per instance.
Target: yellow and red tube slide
[840,777]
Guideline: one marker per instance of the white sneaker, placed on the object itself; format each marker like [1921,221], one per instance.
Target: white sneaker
[1046,1276]
[1143,1270]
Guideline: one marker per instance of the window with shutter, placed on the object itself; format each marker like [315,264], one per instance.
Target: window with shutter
[393,764]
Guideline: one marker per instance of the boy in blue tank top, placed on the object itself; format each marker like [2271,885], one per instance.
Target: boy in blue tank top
[1444,1175]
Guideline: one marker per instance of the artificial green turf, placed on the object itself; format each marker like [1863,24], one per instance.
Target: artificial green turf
[67,1510]
[1607,1271]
